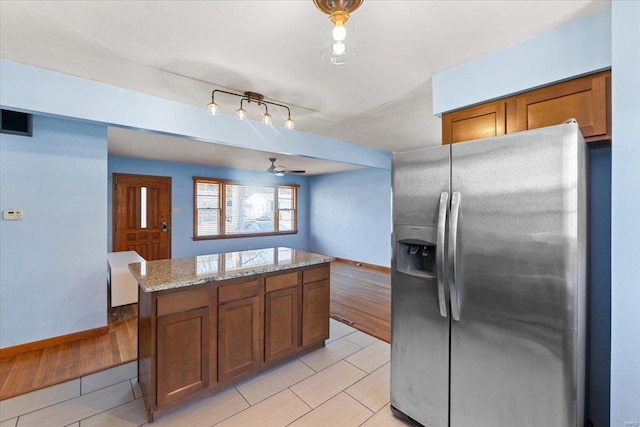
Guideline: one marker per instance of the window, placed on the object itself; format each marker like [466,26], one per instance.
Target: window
[225,209]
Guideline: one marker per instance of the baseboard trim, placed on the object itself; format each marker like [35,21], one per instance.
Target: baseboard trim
[62,339]
[364,264]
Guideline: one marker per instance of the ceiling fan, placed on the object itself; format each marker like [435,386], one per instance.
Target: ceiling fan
[280,170]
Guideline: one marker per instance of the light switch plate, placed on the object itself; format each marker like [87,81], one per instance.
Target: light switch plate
[12,214]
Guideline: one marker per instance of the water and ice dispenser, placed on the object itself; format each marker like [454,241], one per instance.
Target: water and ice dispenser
[416,250]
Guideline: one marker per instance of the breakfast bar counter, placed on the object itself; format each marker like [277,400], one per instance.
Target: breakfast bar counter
[210,321]
[165,274]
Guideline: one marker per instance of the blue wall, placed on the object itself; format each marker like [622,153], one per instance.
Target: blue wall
[625,206]
[53,265]
[26,88]
[351,215]
[182,244]
[599,314]
[579,47]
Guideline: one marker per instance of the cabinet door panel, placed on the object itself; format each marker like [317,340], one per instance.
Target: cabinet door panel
[281,323]
[585,99]
[239,347]
[483,121]
[183,354]
[315,312]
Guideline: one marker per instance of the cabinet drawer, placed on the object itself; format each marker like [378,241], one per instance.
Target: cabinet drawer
[315,274]
[182,301]
[238,291]
[281,281]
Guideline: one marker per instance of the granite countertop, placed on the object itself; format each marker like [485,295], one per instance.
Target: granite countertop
[159,275]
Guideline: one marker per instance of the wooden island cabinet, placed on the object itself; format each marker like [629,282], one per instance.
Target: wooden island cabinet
[281,320]
[207,322]
[315,303]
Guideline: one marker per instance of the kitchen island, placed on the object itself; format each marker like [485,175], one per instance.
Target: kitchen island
[210,321]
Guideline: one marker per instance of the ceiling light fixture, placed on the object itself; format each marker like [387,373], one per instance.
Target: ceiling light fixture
[340,49]
[251,97]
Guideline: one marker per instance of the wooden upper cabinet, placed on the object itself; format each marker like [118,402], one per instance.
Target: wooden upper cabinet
[586,99]
[482,121]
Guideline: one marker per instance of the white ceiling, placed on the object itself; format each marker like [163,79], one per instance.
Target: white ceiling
[182,50]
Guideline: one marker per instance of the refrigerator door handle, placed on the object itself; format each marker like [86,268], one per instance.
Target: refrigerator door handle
[453,262]
[442,222]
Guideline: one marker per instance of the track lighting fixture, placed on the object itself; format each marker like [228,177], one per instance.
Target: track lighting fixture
[251,97]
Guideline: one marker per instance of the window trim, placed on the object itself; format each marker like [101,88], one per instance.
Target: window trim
[222,183]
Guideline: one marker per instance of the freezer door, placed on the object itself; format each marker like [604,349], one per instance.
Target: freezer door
[517,350]
[417,180]
[419,319]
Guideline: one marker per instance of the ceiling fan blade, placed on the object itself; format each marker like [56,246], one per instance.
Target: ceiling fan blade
[280,170]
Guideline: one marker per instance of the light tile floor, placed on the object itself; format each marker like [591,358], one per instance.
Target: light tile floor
[344,384]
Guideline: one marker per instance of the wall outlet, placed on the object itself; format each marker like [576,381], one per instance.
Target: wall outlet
[12,214]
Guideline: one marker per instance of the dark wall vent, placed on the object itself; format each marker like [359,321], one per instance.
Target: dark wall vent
[16,123]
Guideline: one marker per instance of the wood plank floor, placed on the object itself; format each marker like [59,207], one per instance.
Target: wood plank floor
[360,297]
[36,369]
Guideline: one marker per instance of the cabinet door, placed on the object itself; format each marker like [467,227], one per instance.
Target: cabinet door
[239,349]
[315,312]
[183,354]
[586,99]
[482,121]
[281,323]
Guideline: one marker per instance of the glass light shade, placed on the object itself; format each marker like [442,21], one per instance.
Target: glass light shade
[213,108]
[328,54]
[266,119]
[242,114]
[289,124]
[339,32]
[340,48]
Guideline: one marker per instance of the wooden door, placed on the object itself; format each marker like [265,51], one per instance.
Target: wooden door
[142,215]
[239,349]
[281,323]
[183,354]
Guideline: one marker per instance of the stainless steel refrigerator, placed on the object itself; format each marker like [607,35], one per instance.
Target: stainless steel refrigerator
[489,281]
